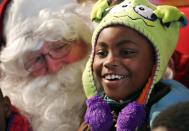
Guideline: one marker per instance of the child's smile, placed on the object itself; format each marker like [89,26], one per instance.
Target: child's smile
[114,77]
[113,82]
[123,61]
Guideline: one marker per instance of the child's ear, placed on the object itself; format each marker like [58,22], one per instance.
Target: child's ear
[7,105]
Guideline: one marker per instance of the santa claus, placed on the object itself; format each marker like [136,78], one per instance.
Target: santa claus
[46,45]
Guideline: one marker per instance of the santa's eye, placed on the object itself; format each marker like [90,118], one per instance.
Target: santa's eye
[34,61]
[145,12]
[122,6]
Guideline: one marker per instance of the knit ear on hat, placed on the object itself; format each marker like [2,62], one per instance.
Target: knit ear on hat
[170,14]
[183,20]
[98,10]
[101,8]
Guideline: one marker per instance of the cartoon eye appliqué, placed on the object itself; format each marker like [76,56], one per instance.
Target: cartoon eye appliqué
[124,5]
[145,12]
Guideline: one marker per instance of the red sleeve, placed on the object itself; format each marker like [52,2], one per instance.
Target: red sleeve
[17,122]
[181,64]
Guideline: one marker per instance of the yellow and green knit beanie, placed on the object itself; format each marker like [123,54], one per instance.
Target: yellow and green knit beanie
[159,24]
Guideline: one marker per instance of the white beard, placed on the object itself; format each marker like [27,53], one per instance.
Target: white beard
[52,102]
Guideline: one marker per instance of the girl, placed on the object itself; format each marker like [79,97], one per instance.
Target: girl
[131,48]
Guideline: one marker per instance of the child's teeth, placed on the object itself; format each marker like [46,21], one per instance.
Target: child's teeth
[112,77]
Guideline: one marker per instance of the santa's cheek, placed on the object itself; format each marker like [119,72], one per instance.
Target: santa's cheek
[77,53]
[49,67]
[54,66]
[40,72]
[71,58]
[38,68]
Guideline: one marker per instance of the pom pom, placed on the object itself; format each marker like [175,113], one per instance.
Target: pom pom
[98,114]
[131,117]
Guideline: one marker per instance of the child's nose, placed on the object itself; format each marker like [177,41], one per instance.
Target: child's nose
[111,62]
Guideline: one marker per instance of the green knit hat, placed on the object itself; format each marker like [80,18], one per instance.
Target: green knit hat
[159,24]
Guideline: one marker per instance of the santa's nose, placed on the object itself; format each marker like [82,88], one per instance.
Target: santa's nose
[53,65]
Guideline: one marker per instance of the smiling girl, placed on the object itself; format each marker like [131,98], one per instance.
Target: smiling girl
[123,77]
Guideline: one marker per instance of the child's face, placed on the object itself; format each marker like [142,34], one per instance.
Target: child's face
[2,113]
[123,61]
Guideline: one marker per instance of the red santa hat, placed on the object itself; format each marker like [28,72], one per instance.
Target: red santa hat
[3,6]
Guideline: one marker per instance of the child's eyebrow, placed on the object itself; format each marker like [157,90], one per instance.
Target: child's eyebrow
[102,44]
[125,42]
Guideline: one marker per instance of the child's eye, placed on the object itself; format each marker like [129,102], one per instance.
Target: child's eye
[127,53]
[101,53]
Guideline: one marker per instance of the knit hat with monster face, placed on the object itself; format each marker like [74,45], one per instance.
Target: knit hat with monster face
[159,24]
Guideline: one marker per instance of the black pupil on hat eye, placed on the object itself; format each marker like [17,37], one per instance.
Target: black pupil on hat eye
[141,8]
[124,5]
